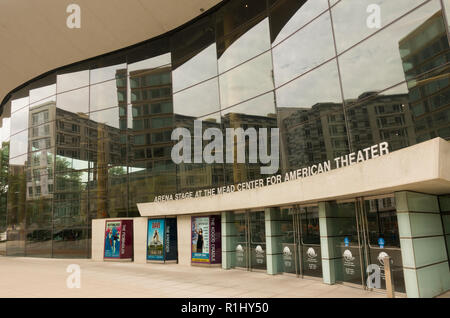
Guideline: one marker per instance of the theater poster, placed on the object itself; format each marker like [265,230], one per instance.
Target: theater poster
[119,240]
[206,240]
[155,240]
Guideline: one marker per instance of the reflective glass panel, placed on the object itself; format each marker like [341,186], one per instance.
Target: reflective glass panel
[291,59]
[355,20]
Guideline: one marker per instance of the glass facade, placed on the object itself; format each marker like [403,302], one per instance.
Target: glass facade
[92,140]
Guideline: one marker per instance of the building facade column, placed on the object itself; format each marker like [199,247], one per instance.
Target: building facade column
[140,240]
[229,240]
[444,204]
[330,260]
[274,236]
[422,240]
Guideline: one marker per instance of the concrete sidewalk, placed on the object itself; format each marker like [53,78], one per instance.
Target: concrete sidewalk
[31,277]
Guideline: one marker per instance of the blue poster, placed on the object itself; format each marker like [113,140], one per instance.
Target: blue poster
[155,240]
[112,239]
[346,242]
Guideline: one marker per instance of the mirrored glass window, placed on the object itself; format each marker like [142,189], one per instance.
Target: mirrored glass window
[71,79]
[194,57]
[287,16]
[246,81]
[242,47]
[291,59]
[198,100]
[313,128]
[239,14]
[355,20]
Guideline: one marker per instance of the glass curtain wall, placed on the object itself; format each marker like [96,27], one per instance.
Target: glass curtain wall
[94,139]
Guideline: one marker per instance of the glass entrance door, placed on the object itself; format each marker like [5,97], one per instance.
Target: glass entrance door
[250,242]
[258,241]
[346,232]
[309,241]
[382,238]
[241,229]
[301,241]
[366,231]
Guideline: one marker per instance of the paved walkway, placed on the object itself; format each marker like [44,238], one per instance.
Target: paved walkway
[31,277]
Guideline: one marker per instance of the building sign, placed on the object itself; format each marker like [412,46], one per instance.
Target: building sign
[351,265]
[313,260]
[288,258]
[206,240]
[162,240]
[258,256]
[354,158]
[118,240]
[347,242]
[241,255]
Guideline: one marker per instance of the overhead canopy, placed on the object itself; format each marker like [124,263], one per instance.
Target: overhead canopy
[35,38]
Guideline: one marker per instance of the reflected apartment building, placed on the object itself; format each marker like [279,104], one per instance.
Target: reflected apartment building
[91,143]
[423,51]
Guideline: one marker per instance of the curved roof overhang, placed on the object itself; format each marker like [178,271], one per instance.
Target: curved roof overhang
[35,38]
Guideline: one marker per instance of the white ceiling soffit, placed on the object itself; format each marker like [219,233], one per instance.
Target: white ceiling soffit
[35,39]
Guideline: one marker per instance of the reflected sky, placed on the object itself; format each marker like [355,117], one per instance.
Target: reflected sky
[305,50]
[69,81]
[19,103]
[76,101]
[106,73]
[18,144]
[376,63]
[157,61]
[19,119]
[350,18]
[5,130]
[305,14]
[251,43]
[246,81]
[319,86]
[38,94]
[103,95]
[198,100]
[201,67]
[109,117]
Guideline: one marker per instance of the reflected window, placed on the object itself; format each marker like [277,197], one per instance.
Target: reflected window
[384,63]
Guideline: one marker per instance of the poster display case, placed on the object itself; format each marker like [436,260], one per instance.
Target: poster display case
[162,240]
[118,243]
[206,244]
